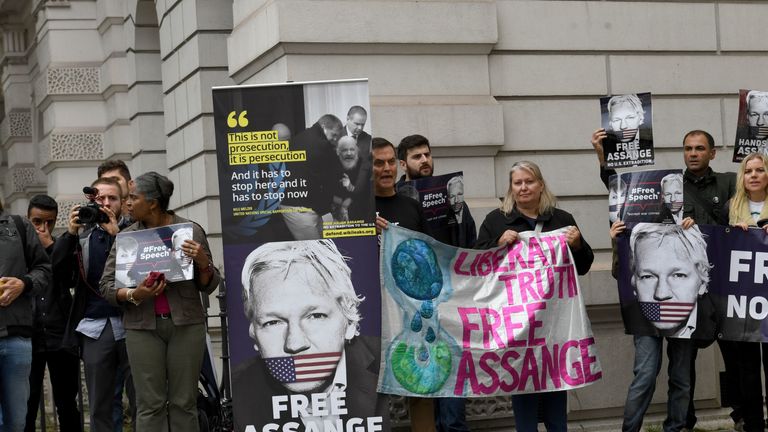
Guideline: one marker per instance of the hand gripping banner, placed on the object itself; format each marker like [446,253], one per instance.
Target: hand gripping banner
[474,323]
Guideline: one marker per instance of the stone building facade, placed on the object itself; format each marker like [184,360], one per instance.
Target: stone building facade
[488,81]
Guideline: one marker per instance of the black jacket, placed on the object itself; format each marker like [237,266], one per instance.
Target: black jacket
[705,196]
[29,264]
[322,170]
[497,222]
[52,306]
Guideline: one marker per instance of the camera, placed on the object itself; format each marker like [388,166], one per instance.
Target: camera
[91,213]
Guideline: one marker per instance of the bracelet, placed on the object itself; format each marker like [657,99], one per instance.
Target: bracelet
[130,297]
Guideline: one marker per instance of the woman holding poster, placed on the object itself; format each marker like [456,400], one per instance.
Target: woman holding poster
[747,209]
[529,206]
[164,321]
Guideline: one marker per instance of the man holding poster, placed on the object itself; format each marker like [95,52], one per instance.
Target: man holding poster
[415,156]
[400,210]
[704,197]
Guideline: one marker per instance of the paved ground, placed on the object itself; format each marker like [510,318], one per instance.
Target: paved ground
[711,420]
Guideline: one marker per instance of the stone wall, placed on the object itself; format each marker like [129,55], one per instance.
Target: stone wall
[489,82]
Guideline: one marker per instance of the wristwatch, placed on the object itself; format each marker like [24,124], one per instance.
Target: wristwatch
[131,299]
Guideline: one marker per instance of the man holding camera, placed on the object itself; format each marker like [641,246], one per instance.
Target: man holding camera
[98,325]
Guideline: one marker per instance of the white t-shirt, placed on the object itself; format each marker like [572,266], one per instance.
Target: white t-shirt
[755,208]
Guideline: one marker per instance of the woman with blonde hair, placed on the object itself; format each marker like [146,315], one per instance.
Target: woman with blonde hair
[528,206]
[747,209]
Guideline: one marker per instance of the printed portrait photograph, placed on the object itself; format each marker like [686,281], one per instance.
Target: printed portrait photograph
[669,270]
[303,319]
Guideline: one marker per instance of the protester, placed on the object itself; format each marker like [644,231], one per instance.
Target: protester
[415,156]
[527,206]
[403,211]
[51,310]
[94,324]
[746,209]
[165,328]
[25,271]
[705,193]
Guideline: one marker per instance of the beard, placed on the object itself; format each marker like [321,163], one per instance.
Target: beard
[424,170]
[348,164]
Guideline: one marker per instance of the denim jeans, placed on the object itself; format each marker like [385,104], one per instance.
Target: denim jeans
[554,406]
[16,361]
[646,369]
[450,415]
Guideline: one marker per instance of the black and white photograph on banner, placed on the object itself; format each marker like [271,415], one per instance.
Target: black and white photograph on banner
[628,121]
[752,127]
[646,196]
[297,163]
[664,274]
[442,201]
[157,249]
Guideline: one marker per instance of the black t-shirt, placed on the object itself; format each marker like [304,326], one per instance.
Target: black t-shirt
[402,211]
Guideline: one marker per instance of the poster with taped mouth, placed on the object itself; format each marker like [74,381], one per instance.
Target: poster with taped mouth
[646,196]
[628,120]
[441,198]
[304,331]
[300,255]
[752,126]
[705,282]
[294,160]
[157,249]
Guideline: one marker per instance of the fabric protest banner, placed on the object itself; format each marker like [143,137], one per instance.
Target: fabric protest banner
[702,283]
[628,121]
[440,197]
[300,254]
[474,323]
[752,125]
[646,196]
[156,249]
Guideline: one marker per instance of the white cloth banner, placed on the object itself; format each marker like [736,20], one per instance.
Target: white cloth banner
[476,323]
